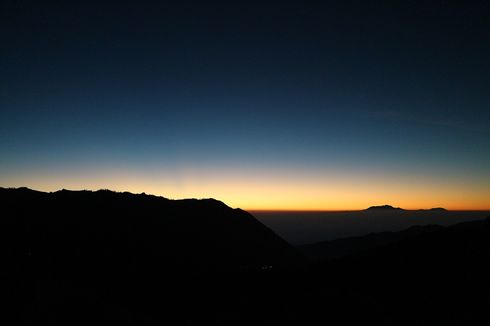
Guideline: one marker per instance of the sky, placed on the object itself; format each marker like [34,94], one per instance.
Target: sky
[302,105]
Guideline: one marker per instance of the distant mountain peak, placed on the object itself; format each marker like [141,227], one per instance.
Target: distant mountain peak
[384,208]
[438,209]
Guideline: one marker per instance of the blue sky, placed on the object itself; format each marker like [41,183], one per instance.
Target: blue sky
[377,91]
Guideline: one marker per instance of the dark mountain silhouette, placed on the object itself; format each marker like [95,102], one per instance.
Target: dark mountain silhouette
[436,209]
[389,208]
[75,258]
[384,208]
[348,246]
[438,277]
[182,234]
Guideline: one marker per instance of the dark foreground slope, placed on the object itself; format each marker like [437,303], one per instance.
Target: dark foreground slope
[178,235]
[71,256]
[439,276]
[140,260]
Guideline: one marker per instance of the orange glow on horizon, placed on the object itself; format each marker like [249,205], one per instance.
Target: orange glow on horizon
[274,191]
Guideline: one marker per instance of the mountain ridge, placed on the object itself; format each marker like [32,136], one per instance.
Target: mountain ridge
[190,233]
[107,256]
[388,208]
[325,250]
[384,208]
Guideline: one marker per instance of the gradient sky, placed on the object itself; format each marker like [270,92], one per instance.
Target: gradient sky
[263,105]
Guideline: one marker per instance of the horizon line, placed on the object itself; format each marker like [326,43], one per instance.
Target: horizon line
[265,210]
[357,210]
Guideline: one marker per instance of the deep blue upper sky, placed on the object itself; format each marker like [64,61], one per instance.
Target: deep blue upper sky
[391,91]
